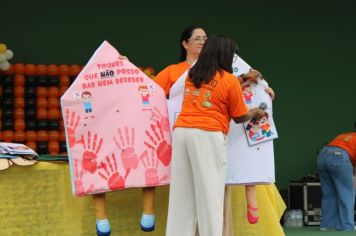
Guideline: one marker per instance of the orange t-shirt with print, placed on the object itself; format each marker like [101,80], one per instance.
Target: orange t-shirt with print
[212,105]
[169,75]
[346,141]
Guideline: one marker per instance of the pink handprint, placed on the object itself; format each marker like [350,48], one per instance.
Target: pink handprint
[163,120]
[128,155]
[71,124]
[151,172]
[150,164]
[78,182]
[162,148]
[91,151]
[111,174]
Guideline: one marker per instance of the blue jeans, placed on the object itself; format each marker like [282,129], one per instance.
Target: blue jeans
[337,185]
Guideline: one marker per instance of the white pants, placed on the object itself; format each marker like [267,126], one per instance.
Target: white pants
[197,185]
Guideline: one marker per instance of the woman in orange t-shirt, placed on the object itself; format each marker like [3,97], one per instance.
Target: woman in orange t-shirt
[336,162]
[212,97]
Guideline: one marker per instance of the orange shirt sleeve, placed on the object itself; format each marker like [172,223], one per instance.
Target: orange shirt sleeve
[236,105]
[163,79]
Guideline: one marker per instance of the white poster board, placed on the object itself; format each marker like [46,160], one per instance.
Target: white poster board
[246,164]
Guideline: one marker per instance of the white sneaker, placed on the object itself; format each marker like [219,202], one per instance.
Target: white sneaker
[327,229]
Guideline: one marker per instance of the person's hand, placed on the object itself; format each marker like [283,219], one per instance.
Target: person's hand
[253,74]
[122,57]
[270,92]
[258,113]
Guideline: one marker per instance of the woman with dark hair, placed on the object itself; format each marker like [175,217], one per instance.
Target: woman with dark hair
[191,41]
[212,97]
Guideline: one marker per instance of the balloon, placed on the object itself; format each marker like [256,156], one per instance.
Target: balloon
[5,55]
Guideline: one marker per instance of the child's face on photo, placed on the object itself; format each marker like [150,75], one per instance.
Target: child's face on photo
[86,97]
[264,120]
[247,90]
[144,91]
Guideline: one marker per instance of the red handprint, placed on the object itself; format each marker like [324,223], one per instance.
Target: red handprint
[163,120]
[71,124]
[128,155]
[90,154]
[78,181]
[112,175]
[150,164]
[162,148]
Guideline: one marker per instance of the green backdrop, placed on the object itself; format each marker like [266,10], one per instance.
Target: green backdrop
[305,49]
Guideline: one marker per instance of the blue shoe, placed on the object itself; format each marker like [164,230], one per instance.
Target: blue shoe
[147,223]
[103,228]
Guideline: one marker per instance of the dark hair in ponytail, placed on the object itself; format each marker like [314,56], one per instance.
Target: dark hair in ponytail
[216,56]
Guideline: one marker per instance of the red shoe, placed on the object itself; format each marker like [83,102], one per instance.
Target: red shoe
[251,218]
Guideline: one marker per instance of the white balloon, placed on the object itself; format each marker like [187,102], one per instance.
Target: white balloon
[2,57]
[5,65]
[9,54]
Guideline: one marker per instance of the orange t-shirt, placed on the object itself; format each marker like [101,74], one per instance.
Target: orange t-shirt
[212,105]
[169,75]
[346,141]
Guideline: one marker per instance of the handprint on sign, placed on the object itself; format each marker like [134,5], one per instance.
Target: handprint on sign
[128,155]
[91,151]
[72,123]
[160,145]
[111,174]
[151,173]
[163,120]
[78,182]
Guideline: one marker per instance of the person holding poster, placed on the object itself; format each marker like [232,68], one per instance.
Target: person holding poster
[212,97]
[268,195]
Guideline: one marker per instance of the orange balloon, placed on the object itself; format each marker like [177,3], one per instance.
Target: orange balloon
[53,92]
[19,91]
[41,70]
[31,145]
[63,70]
[19,136]
[19,102]
[52,69]
[31,135]
[53,114]
[19,124]
[152,71]
[0,135]
[60,115]
[53,103]
[7,136]
[19,69]
[19,80]
[41,114]
[42,136]
[53,135]
[0,125]
[74,70]
[62,90]
[62,136]
[41,103]
[64,80]
[19,113]
[53,147]
[41,92]
[30,69]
